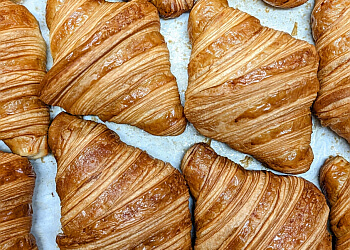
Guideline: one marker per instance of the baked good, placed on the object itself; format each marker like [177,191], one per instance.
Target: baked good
[335,182]
[17,180]
[331,27]
[24,119]
[240,209]
[172,8]
[251,86]
[115,196]
[110,60]
[285,3]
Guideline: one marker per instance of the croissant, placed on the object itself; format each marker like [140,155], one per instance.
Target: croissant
[24,119]
[240,209]
[110,60]
[17,180]
[172,8]
[335,182]
[285,3]
[251,86]
[331,27]
[115,196]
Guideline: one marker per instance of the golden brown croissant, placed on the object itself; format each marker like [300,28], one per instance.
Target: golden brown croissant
[331,27]
[285,3]
[110,60]
[240,209]
[115,196]
[24,119]
[17,180]
[335,182]
[251,86]
[172,8]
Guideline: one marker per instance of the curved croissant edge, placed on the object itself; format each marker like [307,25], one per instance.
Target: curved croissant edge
[17,179]
[335,183]
[285,4]
[333,175]
[25,137]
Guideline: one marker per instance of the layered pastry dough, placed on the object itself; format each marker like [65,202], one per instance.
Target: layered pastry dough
[331,29]
[115,196]
[172,8]
[17,180]
[251,86]
[24,119]
[335,182]
[285,3]
[110,60]
[240,209]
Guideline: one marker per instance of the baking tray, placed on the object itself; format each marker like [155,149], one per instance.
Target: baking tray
[46,203]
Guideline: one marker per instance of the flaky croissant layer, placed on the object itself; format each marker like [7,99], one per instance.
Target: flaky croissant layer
[240,209]
[285,3]
[115,196]
[110,60]
[24,119]
[331,27]
[335,182]
[17,180]
[251,86]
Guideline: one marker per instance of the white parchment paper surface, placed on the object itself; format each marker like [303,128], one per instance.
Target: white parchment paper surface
[46,203]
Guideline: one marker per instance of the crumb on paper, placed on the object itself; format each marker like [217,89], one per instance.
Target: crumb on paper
[267,10]
[42,160]
[246,161]
[207,140]
[295,29]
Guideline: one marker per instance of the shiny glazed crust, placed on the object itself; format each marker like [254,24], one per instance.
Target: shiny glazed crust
[251,86]
[110,60]
[240,209]
[331,27]
[24,119]
[115,196]
[285,3]
[17,180]
[335,182]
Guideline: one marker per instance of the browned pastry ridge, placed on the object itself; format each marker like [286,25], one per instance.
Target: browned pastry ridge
[251,86]
[115,196]
[285,3]
[331,27]
[335,182]
[240,209]
[172,8]
[24,119]
[110,60]
[17,180]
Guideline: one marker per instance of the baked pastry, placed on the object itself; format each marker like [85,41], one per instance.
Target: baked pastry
[17,180]
[285,3]
[331,27]
[172,8]
[335,182]
[24,119]
[115,196]
[110,60]
[251,86]
[240,209]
